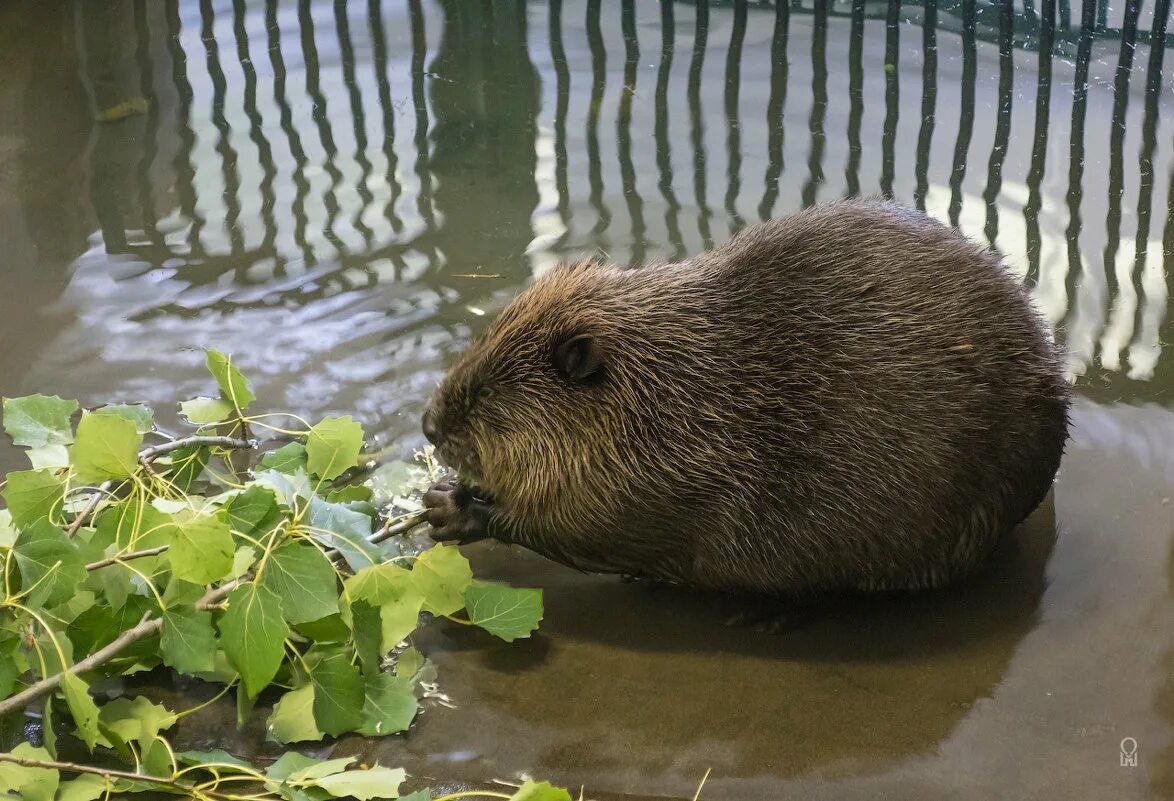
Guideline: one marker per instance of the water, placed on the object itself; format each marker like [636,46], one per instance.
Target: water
[342,194]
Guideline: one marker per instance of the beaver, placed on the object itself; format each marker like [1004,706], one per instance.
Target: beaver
[855,397]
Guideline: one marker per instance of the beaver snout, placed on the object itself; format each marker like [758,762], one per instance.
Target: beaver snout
[428,424]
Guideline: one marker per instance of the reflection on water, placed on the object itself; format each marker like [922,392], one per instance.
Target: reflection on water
[291,154]
[341,193]
[261,155]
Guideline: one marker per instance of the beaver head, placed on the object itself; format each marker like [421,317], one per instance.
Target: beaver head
[552,372]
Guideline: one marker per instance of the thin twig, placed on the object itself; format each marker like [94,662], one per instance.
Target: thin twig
[126,557]
[167,447]
[393,526]
[95,499]
[73,767]
[398,525]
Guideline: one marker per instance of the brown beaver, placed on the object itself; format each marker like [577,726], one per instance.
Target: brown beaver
[854,397]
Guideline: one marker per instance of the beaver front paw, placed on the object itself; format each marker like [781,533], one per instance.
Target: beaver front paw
[455,513]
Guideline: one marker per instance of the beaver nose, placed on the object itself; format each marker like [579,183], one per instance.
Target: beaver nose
[429,426]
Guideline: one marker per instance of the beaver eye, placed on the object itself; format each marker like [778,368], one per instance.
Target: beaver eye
[484,392]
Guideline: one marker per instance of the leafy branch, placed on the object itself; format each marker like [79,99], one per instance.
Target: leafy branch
[292,777]
[120,557]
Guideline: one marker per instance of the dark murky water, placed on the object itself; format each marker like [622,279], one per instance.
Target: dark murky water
[340,194]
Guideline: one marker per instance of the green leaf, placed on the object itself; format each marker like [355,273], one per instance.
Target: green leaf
[100,624]
[180,592]
[49,564]
[81,707]
[218,758]
[253,635]
[292,720]
[289,489]
[86,787]
[141,416]
[376,782]
[49,727]
[394,591]
[303,579]
[107,447]
[47,646]
[244,707]
[348,531]
[243,560]
[183,465]
[504,611]
[8,674]
[289,763]
[442,575]
[206,410]
[367,635]
[37,420]
[253,513]
[33,494]
[201,549]
[7,529]
[319,768]
[125,720]
[134,524]
[289,458]
[31,784]
[327,629]
[419,795]
[332,447]
[75,605]
[231,381]
[338,693]
[50,456]
[408,663]
[390,705]
[187,639]
[540,791]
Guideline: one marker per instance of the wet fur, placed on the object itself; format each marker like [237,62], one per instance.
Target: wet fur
[852,397]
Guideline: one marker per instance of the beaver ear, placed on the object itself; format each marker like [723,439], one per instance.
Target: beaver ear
[579,357]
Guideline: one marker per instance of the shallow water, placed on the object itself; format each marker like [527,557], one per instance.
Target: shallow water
[341,195]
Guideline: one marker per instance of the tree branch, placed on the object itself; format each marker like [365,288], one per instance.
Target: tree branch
[95,499]
[73,767]
[145,628]
[399,525]
[149,626]
[148,454]
[126,557]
